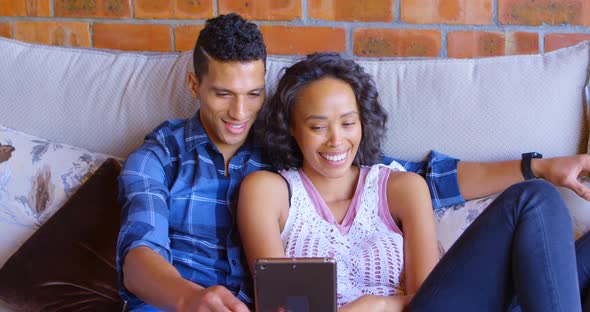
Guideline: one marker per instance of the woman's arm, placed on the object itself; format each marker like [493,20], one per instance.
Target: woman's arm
[409,202]
[263,207]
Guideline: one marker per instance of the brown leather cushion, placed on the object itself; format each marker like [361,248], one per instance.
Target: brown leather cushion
[69,263]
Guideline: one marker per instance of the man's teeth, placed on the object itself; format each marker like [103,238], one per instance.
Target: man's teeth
[236,126]
[338,157]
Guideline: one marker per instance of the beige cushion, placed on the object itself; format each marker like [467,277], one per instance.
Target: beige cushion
[485,109]
[475,109]
[104,101]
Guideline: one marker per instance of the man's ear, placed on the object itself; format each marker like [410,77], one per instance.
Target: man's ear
[193,84]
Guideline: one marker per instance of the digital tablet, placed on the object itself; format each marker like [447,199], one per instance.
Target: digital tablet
[295,284]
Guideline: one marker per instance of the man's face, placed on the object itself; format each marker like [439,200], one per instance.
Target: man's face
[231,95]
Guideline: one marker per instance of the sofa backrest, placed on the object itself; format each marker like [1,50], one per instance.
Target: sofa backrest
[474,109]
[104,101]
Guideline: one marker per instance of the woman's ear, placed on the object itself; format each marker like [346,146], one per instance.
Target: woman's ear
[193,84]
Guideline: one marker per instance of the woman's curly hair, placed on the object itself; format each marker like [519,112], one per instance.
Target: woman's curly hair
[281,148]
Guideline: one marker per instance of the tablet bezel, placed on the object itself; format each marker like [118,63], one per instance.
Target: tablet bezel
[311,281]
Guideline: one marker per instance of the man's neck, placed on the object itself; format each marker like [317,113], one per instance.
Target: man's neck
[228,153]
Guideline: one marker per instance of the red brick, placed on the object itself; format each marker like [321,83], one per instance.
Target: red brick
[5,30]
[133,37]
[393,42]
[25,8]
[473,12]
[522,43]
[71,34]
[537,12]
[558,41]
[185,37]
[351,10]
[187,9]
[263,10]
[303,40]
[465,44]
[93,8]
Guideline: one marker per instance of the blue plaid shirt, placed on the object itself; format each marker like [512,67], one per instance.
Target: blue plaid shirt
[178,201]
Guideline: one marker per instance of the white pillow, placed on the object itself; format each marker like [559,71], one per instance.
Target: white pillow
[36,179]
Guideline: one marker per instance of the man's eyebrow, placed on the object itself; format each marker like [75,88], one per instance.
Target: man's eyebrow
[259,89]
[221,89]
[321,117]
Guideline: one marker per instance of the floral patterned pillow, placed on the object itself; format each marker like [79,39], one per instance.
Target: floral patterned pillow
[36,178]
[452,221]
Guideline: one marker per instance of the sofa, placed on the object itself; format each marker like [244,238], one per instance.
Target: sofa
[69,117]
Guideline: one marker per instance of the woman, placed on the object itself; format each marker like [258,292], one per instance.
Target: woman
[323,130]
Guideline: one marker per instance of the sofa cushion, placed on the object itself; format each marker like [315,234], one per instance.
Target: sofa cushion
[69,263]
[36,178]
[475,109]
[486,109]
[104,101]
[483,109]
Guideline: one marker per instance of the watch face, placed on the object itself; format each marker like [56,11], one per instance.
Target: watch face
[532,155]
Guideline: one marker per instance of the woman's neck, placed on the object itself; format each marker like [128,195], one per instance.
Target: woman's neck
[335,189]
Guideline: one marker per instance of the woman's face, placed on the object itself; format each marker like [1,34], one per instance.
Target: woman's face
[327,127]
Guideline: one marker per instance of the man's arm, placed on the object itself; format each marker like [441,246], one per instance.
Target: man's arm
[451,181]
[477,179]
[152,278]
[144,257]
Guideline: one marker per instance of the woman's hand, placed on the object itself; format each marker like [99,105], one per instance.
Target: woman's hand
[372,303]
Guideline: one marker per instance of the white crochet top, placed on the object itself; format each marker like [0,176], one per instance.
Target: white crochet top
[368,246]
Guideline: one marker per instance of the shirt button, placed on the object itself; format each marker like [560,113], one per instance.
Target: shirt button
[234,262]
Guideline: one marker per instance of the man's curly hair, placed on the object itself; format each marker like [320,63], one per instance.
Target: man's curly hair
[227,38]
[281,147]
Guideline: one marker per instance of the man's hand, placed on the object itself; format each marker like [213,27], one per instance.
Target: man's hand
[564,171]
[154,280]
[213,299]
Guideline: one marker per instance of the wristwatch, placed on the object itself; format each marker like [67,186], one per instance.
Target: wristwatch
[525,165]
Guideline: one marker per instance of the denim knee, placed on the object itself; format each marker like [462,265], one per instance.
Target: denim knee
[534,188]
[538,194]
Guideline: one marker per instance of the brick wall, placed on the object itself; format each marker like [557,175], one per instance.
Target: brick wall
[445,28]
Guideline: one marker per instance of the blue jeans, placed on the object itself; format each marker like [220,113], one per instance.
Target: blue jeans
[518,254]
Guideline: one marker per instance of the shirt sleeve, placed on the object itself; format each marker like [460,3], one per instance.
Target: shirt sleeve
[440,172]
[143,193]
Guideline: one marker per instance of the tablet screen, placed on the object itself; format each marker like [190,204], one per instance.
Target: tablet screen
[295,284]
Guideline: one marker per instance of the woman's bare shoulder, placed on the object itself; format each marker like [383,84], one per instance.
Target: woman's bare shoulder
[404,179]
[262,177]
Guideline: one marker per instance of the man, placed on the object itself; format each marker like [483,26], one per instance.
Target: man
[178,247]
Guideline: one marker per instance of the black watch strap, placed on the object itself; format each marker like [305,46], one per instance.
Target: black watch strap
[525,165]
